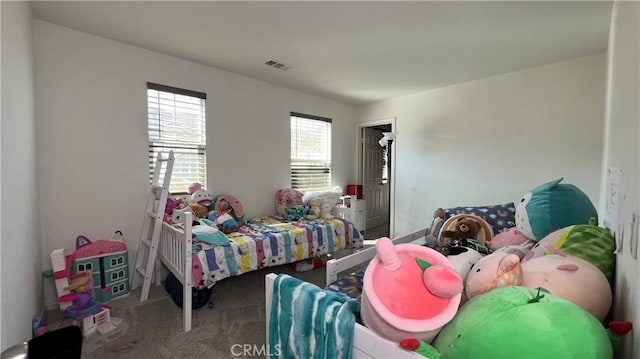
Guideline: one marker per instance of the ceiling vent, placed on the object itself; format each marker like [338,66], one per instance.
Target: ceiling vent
[277,64]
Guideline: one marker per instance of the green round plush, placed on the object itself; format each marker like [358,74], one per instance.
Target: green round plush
[519,322]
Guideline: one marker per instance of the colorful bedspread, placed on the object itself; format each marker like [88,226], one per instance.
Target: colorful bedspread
[271,241]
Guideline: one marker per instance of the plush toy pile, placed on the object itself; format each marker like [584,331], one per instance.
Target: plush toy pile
[541,289]
[223,212]
[293,205]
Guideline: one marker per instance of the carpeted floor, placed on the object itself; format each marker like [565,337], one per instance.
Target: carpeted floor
[377,232]
[153,329]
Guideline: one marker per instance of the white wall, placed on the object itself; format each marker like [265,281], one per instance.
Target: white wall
[21,269]
[507,133]
[92,133]
[622,151]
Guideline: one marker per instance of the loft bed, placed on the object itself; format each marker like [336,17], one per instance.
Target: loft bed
[259,243]
[366,343]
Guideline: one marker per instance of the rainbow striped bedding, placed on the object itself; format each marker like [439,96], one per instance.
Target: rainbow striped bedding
[271,241]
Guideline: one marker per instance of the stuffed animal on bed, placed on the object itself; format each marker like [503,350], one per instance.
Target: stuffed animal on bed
[199,195]
[225,202]
[465,228]
[409,290]
[571,278]
[178,216]
[499,269]
[434,229]
[587,241]
[568,277]
[329,201]
[296,213]
[462,226]
[224,221]
[523,323]
[314,211]
[287,198]
[508,237]
[552,206]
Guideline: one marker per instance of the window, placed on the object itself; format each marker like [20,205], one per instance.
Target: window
[84,267]
[176,119]
[117,275]
[385,164]
[117,261]
[117,288]
[310,153]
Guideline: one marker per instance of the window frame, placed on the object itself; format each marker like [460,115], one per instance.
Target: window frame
[324,167]
[182,147]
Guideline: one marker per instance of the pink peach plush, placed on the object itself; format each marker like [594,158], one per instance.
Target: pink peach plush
[409,291]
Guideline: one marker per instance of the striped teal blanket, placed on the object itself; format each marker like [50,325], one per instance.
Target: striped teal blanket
[309,322]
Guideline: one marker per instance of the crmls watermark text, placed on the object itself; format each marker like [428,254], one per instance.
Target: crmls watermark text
[249,350]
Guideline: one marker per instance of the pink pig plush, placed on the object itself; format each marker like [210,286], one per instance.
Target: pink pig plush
[496,270]
[567,277]
[571,278]
[508,237]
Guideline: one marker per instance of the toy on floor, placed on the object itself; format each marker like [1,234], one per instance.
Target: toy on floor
[409,290]
[107,260]
[76,296]
[525,323]
[552,206]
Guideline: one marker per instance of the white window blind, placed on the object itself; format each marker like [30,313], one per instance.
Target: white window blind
[310,153]
[177,122]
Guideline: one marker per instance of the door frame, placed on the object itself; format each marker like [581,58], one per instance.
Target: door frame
[392,175]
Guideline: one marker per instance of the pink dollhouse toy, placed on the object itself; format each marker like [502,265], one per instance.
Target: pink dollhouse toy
[107,260]
[76,296]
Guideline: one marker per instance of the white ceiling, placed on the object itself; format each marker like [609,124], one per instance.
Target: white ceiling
[355,52]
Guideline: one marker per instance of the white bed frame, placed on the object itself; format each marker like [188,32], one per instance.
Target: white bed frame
[366,343]
[174,251]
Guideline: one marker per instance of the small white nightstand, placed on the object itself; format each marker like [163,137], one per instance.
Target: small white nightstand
[353,210]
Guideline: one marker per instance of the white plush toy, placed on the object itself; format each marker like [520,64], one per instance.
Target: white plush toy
[177,217]
[463,262]
[315,204]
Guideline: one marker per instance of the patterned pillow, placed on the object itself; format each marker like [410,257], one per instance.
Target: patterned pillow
[499,217]
[287,198]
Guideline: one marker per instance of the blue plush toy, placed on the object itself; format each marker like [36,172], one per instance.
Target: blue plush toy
[297,213]
[552,206]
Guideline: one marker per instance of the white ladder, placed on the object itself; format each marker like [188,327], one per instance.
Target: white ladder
[147,254]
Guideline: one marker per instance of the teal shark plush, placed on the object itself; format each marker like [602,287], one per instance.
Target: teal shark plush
[552,206]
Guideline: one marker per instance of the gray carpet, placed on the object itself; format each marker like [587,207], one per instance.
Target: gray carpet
[153,329]
[377,232]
